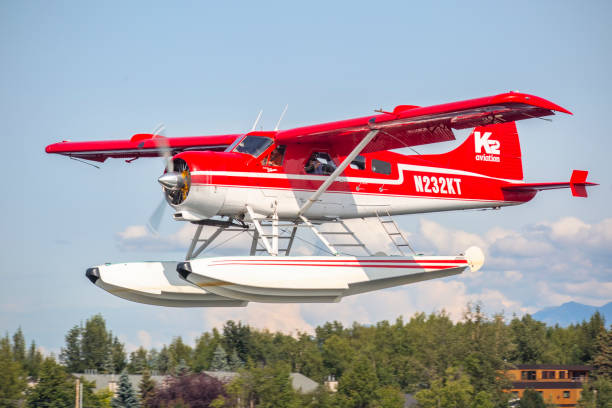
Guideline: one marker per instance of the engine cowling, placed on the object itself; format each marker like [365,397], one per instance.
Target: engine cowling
[191,187]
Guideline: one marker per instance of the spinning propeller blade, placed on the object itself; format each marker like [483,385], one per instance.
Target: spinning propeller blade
[156,217]
[160,140]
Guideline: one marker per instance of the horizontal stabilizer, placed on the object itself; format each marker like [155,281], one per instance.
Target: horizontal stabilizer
[577,184]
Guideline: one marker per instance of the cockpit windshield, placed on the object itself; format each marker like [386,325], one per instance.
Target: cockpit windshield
[253,145]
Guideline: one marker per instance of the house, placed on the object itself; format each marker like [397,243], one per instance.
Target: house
[558,384]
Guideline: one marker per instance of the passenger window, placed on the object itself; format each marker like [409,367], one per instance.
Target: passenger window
[358,163]
[381,167]
[276,157]
[320,163]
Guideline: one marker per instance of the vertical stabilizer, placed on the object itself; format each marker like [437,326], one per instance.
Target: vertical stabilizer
[492,150]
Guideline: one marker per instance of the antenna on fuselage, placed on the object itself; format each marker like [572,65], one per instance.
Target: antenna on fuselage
[256,121]
[281,117]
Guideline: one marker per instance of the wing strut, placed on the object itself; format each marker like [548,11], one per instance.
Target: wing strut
[371,134]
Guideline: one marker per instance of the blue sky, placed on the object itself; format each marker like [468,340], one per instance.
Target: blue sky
[104,70]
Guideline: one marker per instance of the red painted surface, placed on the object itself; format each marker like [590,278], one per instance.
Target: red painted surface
[486,167]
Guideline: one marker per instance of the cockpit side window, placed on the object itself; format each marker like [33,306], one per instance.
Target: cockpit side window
[253,145]
[276,157]
[233,145]
[320,163]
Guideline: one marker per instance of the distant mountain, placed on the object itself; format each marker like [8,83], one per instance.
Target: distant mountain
[572,312]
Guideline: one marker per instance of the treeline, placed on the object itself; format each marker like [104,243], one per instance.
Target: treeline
[428,355]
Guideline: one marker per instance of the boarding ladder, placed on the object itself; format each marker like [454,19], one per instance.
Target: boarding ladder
[338,237]
[394,233]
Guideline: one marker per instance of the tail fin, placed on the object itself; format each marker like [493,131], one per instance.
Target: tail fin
[492,150]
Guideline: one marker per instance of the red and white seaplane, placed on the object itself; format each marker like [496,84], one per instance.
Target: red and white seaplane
[270,184]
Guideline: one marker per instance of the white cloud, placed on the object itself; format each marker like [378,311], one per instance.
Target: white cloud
[513,276]
[134,232]
[448,241]
[285,318]
[139,238]
[450,295]
[589,288]
[573,231]
[518,245]
[145,338]
[568,227]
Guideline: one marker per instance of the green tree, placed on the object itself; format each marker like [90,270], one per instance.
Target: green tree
[204,349]
[12,376]
[337,353]
[453,390]
[55,389]
[234,361]
[219,361]
[591,332]
[359,383]
[179,353]
[388,397]
[146,387]
[93,399]
[19,347]
[70,355]
[603,357]
[109,364]
[117,350]
[596,394]
[275,389]
[486,344]
[125,398]
[95,344]
[264,387]
[238,337]
[162,361]
[483,400]
[529,335]
[531,399]
[34,359]
[138,361]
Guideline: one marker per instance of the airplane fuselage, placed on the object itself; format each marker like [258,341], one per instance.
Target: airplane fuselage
[224,183]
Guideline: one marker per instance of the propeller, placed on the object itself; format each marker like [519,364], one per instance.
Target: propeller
[162,143]
[159,137]
[175,181]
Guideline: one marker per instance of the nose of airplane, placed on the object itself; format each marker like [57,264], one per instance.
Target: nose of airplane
[172,180]
[93,274]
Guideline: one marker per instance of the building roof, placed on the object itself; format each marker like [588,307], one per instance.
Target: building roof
[300,382]
[546,385]
[410,401]
[554,367]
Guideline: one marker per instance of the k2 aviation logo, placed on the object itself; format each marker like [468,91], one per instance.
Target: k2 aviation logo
[491,147]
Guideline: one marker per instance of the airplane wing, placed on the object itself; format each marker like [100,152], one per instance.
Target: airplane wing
[140,145]
[406,126]
[578,184]
[412,125]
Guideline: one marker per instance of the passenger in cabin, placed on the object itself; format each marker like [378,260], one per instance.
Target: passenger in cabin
[275,158]
[314,167]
